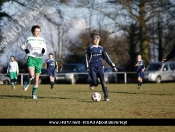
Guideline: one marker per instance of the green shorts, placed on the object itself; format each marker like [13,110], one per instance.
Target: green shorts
[13,75]
[35,63]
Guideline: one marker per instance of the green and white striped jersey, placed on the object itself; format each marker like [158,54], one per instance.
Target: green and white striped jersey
[35,45]
[12,67]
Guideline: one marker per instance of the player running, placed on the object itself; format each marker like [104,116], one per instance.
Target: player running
[94,56]
[35,48]
[140,67]
[170,55]
[51,67]
[13,71]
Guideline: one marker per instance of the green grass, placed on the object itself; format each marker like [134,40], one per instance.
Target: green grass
[74,101]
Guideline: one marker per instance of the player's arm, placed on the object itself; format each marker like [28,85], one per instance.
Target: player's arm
[56,66]
[87,56]
[44,49]
[8,68]
[136,63]
[170,55]
[46,65]
[17,68]
[143,68]
[25,48]
[108,60]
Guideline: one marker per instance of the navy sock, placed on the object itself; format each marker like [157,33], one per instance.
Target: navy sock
[105,91]
[51,83]
[138,83]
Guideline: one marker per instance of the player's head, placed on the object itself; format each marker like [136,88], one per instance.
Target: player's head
[95,38]
[50,55]
[12,58]
[36,30]
[139,57]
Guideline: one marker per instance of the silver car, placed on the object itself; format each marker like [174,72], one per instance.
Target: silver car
[158,72]
[4,80]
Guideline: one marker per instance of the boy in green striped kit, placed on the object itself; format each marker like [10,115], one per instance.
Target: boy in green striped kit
[13,71]
[35,48]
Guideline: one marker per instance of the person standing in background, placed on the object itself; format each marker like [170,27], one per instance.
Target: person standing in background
[52,67]
[13,71]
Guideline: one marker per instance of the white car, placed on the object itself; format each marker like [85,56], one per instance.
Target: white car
[158,72]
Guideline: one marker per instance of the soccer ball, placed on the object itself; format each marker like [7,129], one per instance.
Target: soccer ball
[96,97]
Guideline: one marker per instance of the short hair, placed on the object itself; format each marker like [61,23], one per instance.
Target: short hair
[34,27]
[50,53]
[12,56]
[95,35]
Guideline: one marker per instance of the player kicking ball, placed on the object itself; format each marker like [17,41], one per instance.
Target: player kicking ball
[13,71]
[35,48]
[94,56]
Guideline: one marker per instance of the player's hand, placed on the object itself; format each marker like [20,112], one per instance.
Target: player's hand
[164,60]
[88,70]
[43,51]
[115,69]
[27,51]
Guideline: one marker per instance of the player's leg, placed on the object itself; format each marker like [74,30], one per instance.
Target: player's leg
[138,81]
[15,79]
[31,77]
[100,73]
[31,69]
[35,86]
[12,77]
[104,87]
[38,66]
[52,78]
[94,79]
[141,78]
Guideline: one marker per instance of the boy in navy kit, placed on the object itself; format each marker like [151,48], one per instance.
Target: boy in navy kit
[94,56]
[52,67]
[140,67]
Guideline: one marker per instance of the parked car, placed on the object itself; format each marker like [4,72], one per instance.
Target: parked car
[72,73]
[158,72]
[43,79]
[4,80]
[110,75]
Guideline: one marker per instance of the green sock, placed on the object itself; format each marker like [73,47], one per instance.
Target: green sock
[12,84]
[35,88]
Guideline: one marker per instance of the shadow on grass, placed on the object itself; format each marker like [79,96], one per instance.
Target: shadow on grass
[123,92]
[30,97]
[15,96]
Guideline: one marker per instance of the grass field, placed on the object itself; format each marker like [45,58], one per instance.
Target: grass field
[74,101]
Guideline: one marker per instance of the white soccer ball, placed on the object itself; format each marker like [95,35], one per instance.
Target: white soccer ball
[96,97]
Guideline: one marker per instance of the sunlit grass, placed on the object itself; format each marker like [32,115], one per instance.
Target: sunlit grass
[74,101]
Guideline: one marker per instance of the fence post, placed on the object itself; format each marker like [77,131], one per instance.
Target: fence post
[21,79]
[125,77]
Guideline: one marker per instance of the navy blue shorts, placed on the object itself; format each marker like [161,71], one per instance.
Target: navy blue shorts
[96,70]
[140,74]
[51,72]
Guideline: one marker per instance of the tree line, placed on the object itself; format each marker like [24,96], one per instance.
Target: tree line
[126,27]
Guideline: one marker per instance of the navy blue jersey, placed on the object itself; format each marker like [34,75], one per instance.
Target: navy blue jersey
[171,54]
[95,55]
[52,64]
[139,65]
